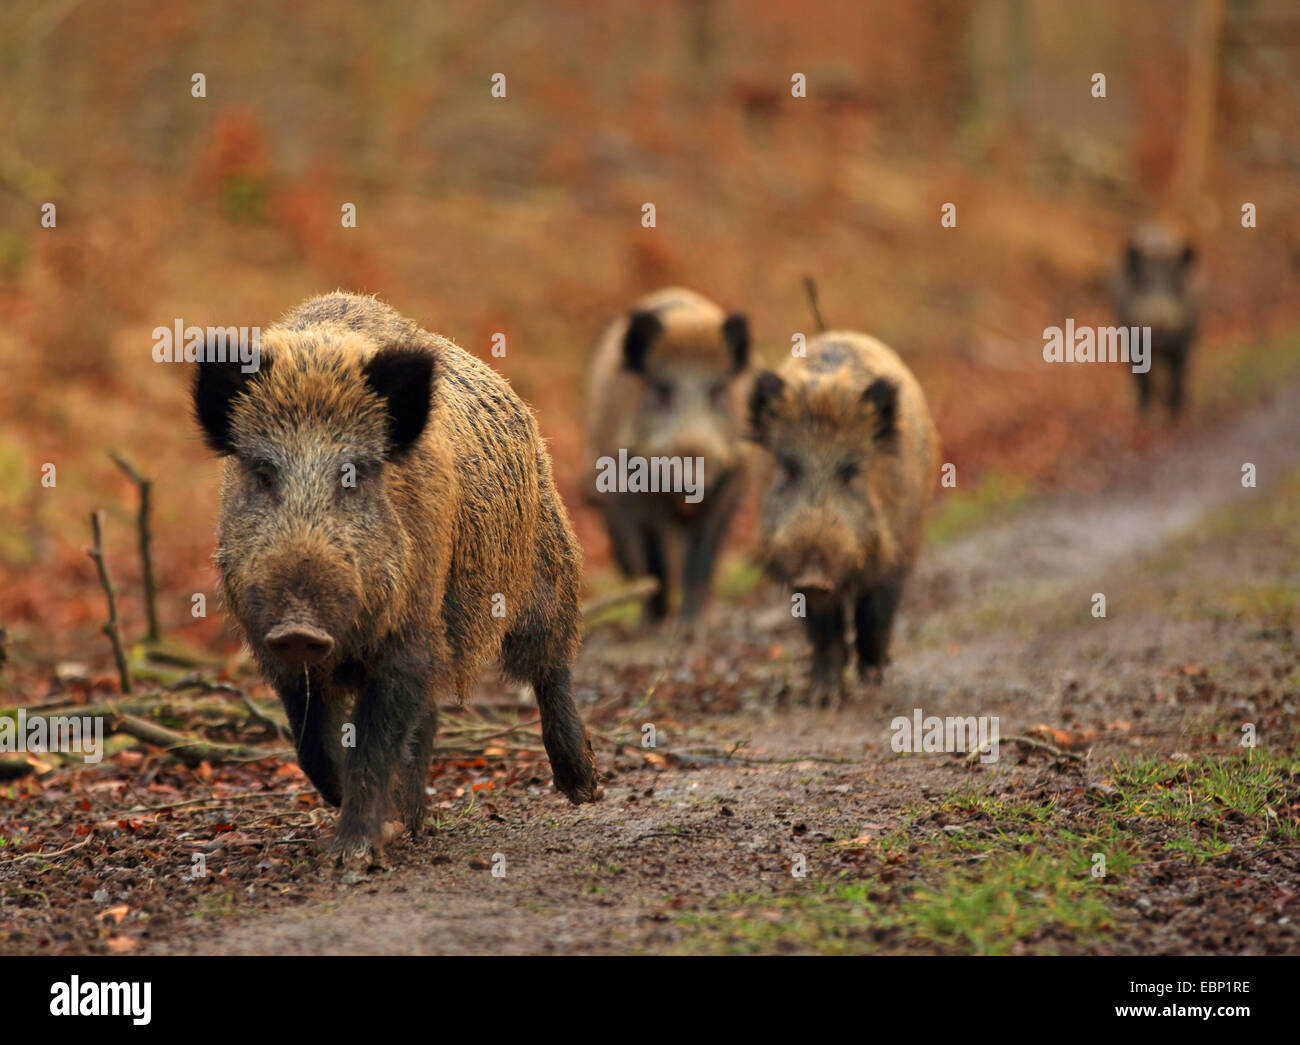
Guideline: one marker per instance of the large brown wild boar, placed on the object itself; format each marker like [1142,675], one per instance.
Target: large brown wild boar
[388,525]
[1158,286]
[842,520]
[667,387]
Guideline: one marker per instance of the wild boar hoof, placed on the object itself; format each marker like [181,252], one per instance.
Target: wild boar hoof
[825,696]
[356,855]
[581,787]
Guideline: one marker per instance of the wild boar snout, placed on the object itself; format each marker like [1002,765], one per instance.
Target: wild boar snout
[299,645]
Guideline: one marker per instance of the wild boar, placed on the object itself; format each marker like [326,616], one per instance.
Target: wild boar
[388,525]
[855,461]
[666,404]
[1157,285]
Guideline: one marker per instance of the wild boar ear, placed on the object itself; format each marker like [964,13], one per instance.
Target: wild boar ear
[736,330]
[768,388]
[403,378]
[215,386]
[883,395]
[642,329]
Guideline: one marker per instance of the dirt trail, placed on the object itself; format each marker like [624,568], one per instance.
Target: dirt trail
[997,622]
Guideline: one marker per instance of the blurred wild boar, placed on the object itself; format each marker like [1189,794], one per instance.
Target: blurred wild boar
[389,524]
[855,462]
[665,437]
[1157,285]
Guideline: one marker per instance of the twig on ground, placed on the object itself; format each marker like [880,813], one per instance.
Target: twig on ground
[642,588]
[196,681]
[731,757]
[189,749]
[49,856]
[96,552]
[145,486]
[1027,742]
[12,768]
[245,796]
[454,731]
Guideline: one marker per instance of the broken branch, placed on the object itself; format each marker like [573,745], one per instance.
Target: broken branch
[641,588]
[810,286]
[145,486]
[1027,742]
[109,626]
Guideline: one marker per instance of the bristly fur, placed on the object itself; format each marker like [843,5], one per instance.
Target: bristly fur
[843,516]
[452,547]
[1158,285]
[669,379]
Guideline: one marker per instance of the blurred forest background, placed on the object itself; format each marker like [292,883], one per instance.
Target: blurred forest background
[478,215]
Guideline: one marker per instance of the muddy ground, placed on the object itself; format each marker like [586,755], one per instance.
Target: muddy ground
[699,841]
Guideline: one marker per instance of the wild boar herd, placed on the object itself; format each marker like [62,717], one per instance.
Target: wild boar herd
[390,524]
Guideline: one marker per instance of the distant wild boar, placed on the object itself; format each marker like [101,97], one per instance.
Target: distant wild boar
[856,457]
[666,391]
[388,525]
[1157,286]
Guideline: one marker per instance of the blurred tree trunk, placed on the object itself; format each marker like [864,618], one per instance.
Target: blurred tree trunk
[1197,142]
[1020,61]
[999,68]
[702,33]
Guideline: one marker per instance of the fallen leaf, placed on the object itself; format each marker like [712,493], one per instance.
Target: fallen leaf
[1064,739]
[116,913]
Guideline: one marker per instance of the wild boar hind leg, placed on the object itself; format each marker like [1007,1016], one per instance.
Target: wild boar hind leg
[413,773]
[573,763]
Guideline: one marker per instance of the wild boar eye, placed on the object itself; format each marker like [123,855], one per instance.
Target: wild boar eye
[265,476]
[791,468]
[848,471]
[663,392]
[716,390]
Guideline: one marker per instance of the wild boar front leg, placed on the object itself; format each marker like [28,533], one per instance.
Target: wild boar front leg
[825,627]
[1144,391]
[702,542]
[655,543]
[1177,369]
[310,704]
[873,620]
[393,695]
